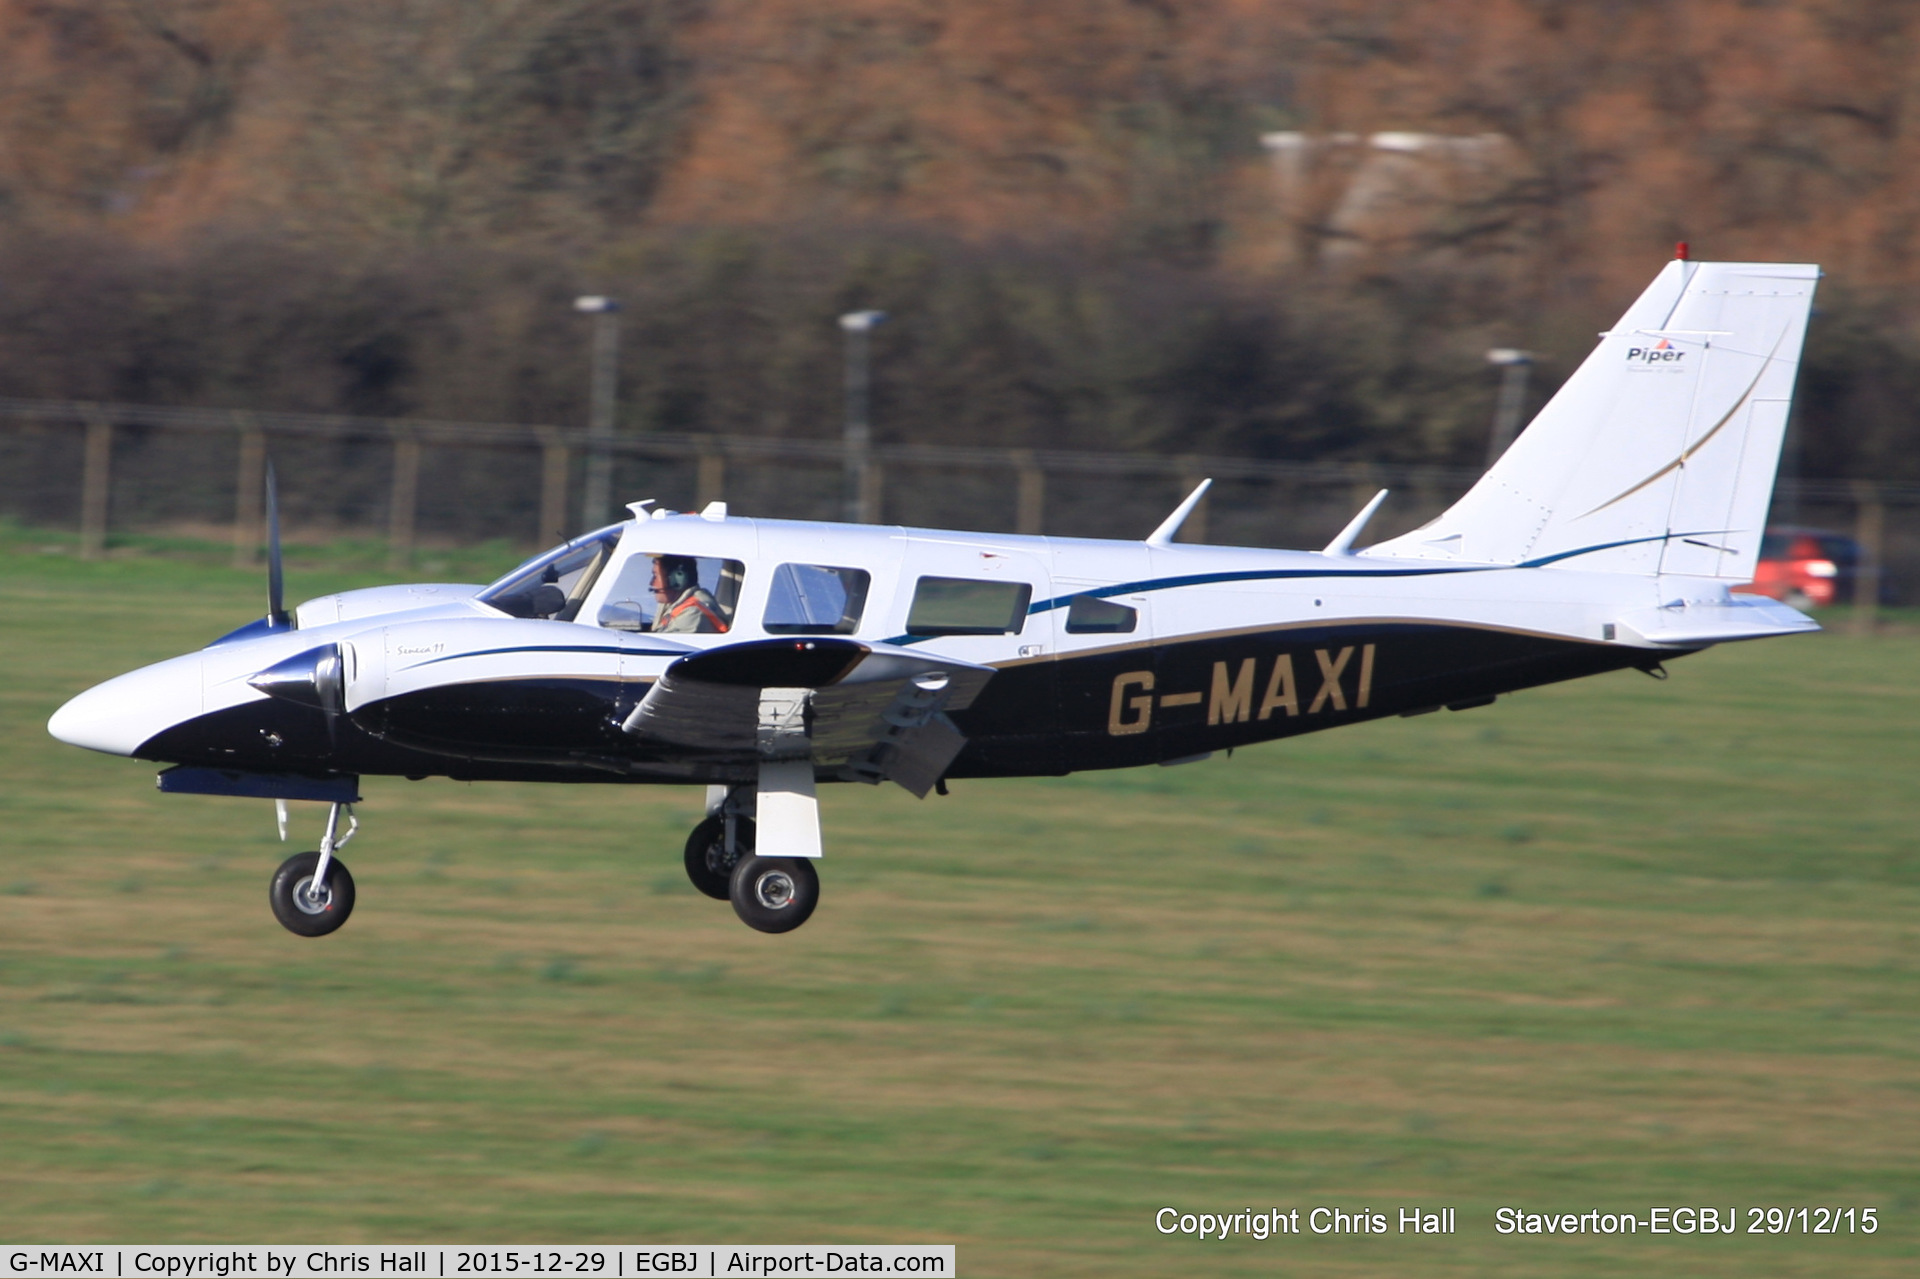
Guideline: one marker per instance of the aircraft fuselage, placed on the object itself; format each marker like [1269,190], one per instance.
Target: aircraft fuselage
[1185,650]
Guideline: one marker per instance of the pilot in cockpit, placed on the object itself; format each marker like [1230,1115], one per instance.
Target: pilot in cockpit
[685,606]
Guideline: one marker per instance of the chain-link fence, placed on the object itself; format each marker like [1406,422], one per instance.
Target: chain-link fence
[130,468]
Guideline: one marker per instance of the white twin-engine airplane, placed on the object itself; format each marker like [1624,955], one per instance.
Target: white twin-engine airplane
[763,657]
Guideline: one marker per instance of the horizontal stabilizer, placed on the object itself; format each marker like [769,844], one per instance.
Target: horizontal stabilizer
[1695,622]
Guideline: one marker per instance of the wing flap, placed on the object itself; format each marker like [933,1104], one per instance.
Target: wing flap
[682,711]
[869,712]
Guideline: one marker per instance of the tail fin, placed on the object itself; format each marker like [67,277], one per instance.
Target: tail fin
[1658,454]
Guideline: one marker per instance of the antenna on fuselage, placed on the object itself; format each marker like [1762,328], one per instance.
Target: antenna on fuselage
[1163,536]
[1343,543]
[276,586]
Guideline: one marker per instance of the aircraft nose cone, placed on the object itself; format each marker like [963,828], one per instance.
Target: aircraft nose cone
[117,716]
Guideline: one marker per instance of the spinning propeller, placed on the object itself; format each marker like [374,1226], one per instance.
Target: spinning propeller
[277,618]
[313,678]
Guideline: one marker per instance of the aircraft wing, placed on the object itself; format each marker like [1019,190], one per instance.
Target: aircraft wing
[874,712]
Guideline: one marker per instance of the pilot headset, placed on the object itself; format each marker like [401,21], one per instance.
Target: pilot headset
[679,572]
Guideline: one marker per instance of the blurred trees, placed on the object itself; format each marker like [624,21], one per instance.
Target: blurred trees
[384,208]
[724,330]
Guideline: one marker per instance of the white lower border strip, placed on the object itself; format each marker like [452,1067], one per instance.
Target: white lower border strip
[470,1261]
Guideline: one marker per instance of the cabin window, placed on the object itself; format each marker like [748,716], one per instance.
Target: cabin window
[816,599]
[963,606]
[674,594]
[1091,615]
[554,583]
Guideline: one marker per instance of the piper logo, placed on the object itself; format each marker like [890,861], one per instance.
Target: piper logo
[1661,352]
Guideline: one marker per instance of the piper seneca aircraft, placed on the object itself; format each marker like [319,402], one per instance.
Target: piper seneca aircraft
[764,657]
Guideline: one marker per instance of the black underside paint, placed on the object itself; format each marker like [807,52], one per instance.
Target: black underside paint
[1413,668]
[1104,710]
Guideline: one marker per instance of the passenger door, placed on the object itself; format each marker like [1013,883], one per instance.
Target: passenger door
[1106,676]
[988,604]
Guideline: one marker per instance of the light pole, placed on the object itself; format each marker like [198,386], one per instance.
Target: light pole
[597,502]
[858,435]
[1514,366]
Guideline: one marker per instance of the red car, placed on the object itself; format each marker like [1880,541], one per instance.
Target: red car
[1806,567]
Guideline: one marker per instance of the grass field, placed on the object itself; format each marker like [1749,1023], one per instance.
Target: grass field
[1611,945]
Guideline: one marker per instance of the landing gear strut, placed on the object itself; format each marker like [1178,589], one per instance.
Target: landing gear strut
[718,843]
[772,894]
[312,893]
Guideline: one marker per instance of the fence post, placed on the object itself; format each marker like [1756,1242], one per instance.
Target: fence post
[597,498]
[405,501]
[94,479]
[1030,515]
[556,464]
[711,482]
[872,496]
[1195,529]
[1870,530]
[249,487]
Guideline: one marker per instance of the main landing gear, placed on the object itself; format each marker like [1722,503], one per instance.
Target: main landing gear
[770,894]
[312,893]
[715,848]
[774,894]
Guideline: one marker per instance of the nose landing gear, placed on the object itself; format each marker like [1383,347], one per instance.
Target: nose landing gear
[312,893]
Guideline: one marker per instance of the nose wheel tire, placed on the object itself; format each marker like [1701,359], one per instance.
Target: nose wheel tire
[301,907]
[774,894]
[709,865]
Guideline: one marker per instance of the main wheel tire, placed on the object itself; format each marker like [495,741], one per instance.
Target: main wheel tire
[775,894]
[309,914]
[708,865]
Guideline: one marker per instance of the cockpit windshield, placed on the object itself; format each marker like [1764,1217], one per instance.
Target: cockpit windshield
[554,583]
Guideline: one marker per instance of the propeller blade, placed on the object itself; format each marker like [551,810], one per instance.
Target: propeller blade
[276,599]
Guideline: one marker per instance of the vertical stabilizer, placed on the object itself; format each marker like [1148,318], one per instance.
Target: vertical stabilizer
[1658,454]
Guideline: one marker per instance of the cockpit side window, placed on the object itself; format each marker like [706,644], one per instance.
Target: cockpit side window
[815,599]
[683,594]
[553,584]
